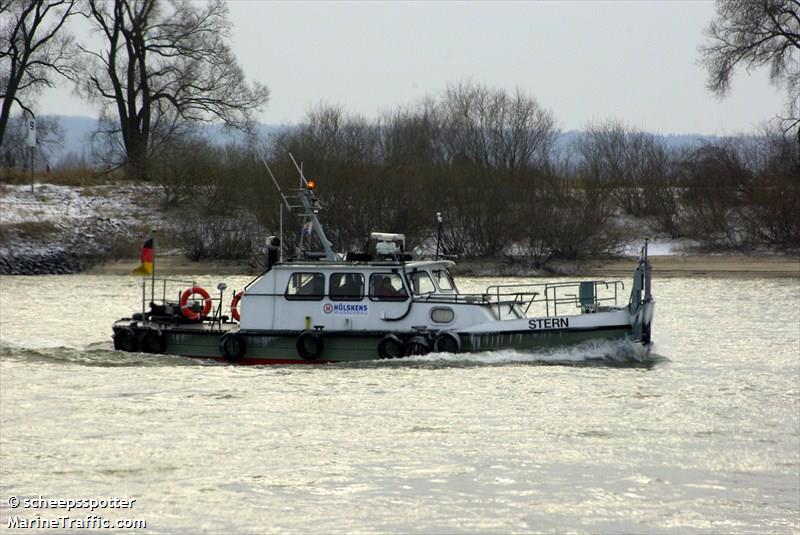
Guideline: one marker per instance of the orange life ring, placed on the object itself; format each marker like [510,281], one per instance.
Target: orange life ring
[235,304]
[186,308]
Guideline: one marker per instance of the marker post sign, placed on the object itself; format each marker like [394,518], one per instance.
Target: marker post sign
[32,144]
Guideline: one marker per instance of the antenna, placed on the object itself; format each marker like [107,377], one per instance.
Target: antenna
[438,233]
[275,181]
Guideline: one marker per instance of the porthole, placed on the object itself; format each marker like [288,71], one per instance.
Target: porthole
[442,315]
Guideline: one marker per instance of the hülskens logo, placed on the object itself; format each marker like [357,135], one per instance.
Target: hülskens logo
[345,309]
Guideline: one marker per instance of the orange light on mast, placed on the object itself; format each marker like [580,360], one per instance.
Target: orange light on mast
[311,185]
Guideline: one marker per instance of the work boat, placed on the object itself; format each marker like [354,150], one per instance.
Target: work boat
[323,307]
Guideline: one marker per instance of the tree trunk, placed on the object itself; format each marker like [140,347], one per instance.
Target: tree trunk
[5,109]
[136,158]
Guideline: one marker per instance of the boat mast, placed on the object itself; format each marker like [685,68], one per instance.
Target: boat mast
[309,208]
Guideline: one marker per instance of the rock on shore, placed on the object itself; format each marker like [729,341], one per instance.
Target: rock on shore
[51,263]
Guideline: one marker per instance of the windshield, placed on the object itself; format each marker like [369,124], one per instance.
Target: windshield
[421,283]
[444,280]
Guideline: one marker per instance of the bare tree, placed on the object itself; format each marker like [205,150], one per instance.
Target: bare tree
[343,151]
[755,33]
[411,138]
[165,63]
[496,130]
[635,167]
[33,45]
[771,211]
[716,183]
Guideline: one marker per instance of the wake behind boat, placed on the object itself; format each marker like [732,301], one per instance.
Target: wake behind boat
[379,304]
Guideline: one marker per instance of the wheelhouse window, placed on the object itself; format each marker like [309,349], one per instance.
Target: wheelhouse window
[387,287]
[346,287]
[305,287]
[444,280]
[421,283]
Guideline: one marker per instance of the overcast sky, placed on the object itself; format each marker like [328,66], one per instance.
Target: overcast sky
[629,60]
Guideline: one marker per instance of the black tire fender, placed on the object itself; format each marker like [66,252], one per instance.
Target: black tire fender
[391,347]
[447,342]
[310,345]
[233,346]
[417,345]
[152,341]
[125,340]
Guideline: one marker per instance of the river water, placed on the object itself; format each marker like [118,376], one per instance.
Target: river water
[702,437]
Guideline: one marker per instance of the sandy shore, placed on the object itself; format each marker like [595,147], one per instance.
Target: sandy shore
[663,266]
[703,266]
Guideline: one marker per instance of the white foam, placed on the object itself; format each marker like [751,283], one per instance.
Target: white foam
[621,351]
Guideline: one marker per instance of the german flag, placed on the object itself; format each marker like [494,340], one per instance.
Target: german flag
[147,259]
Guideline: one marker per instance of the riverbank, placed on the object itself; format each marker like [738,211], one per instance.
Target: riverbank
[717,266]
[68,229]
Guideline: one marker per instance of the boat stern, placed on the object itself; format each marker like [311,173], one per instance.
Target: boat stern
[642,305]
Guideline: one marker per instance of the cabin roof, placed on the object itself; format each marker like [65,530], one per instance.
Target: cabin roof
[429,263]
[318,265]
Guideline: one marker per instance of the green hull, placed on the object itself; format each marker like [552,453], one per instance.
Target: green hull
[283,347]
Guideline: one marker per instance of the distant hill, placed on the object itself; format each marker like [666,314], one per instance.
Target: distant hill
[569,137]
[76,135]
[77,132]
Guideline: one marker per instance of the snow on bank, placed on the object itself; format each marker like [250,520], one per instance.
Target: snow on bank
[58,222]
[123,204]
[661,247]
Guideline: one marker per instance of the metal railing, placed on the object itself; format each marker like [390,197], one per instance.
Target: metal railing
[587,296]
[166,285]
[163,283]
